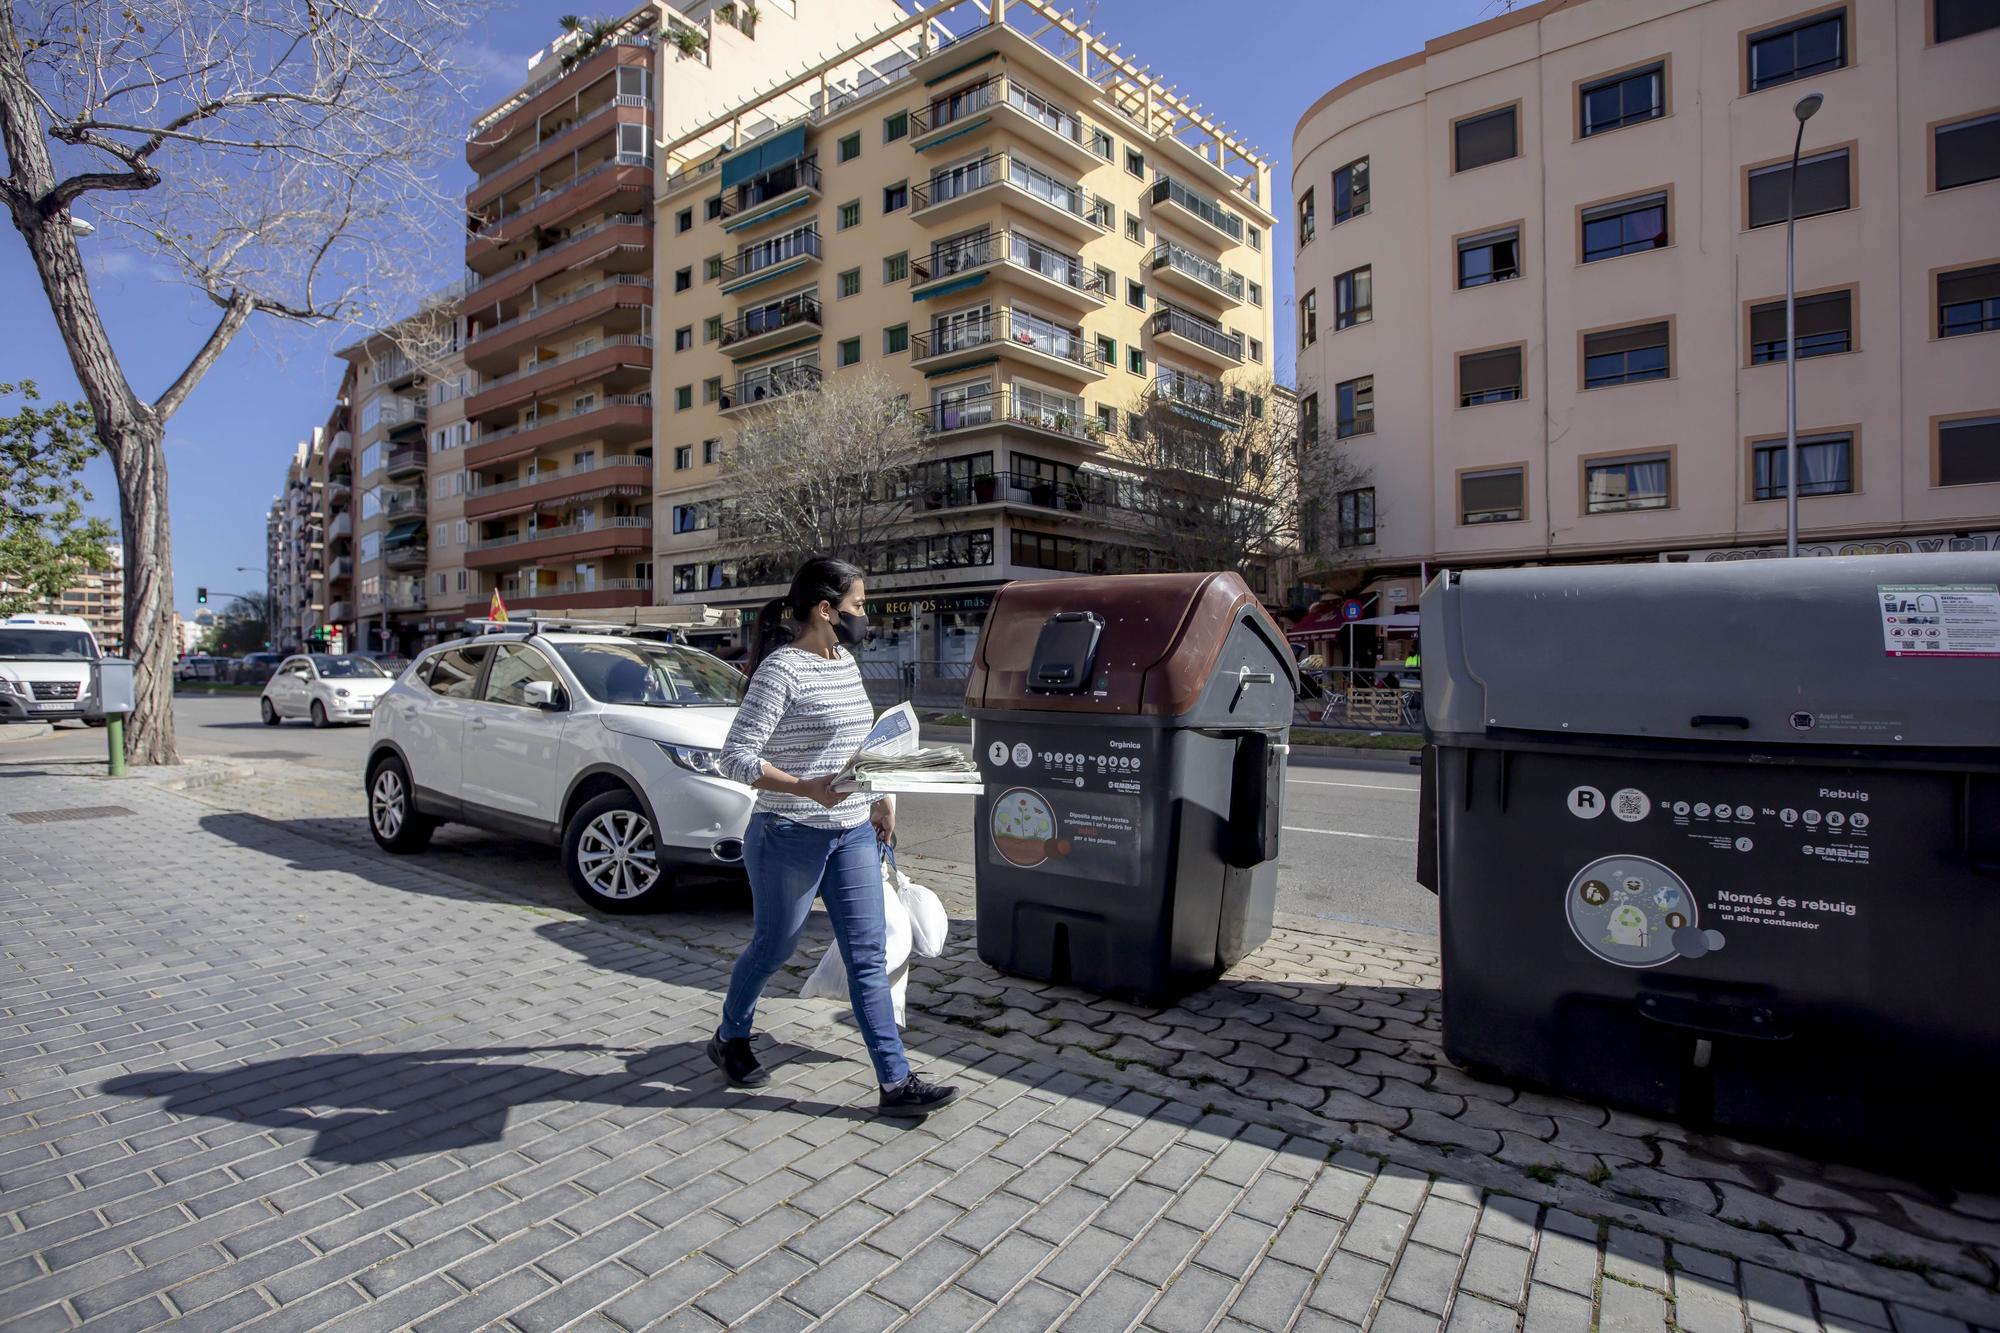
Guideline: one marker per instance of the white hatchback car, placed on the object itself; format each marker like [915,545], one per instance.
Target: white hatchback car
[600,743]
[324,687]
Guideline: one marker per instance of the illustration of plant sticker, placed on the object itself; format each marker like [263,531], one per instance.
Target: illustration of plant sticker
[1632,911]
[1023,827]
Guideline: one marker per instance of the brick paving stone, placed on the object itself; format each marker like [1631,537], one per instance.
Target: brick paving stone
[1347,1287]
[930,1268]
[1496,1270]
[1704,1306]
[1474,1314]
[1849,1309]
[1191,1302]
[1393,1317]
[1633,1256]
[1624,1308]
[1272,1295]
[1113,1306]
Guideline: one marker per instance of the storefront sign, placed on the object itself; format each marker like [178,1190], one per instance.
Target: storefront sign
[925,604]
[1971,541]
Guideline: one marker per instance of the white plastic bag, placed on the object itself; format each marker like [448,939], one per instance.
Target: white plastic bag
[928,923]
[829,980]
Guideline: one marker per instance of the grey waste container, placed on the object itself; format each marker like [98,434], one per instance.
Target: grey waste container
[1721,842]
[1130,732]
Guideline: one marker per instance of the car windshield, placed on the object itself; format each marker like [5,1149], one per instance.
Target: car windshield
[49,644]
[346,666]
[654,675]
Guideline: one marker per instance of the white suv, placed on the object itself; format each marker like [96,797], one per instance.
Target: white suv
[48,670]
[600,743]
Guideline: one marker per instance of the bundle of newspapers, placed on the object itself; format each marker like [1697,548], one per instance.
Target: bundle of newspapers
[892,760]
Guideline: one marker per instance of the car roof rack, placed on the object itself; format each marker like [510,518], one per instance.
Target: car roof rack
[532,624]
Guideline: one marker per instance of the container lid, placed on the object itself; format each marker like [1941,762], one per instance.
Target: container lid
[1162,637]
[1900,651]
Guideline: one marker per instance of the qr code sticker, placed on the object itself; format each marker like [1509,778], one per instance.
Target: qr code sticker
[1631,805]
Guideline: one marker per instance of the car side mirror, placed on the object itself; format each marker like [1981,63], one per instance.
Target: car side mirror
[541,694]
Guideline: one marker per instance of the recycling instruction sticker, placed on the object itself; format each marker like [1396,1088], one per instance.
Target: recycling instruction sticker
[1635,912]
[1940,619]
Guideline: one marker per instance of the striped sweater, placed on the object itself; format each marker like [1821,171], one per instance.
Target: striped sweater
[807,716]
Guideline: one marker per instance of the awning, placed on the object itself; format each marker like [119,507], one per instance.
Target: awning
[785,146]
[1321,623]
[1402,620]
[404,533]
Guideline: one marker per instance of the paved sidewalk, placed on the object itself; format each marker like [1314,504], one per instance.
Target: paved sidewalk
[253,1073]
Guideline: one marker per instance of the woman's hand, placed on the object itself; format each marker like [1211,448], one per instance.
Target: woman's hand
[820,790]
[883,817]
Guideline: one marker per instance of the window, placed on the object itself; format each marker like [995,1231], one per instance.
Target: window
[691,518]
[1107,350]
[1353,298]
[1967,151]
[1135,294]
[1489,257]
[1492,495]
[1486,138]
[1256,293]
[1623,99]
[1825,326]
[1626,356]
[711,329]
[1135,230]
[1350,191]
[684,220]
[1107,419]
[713,209]
[1135,425]
[1798,50]
[849,284]
[1968,451]
[1489,377]
[895,338]
[1307,228]
[1135,360]
[1135,163]
[1354,407]
[684,338]
[896,197]
[1625,227]
[1309,318]
[683,279]
[683,457]
[1969,301]
[850,215]
[711,450]
[711,390]
[1256,238]
[515,667]
[1107,281]
[1822,187]
[1354,518]
[1952,19]
[1309,421]
[1826,466]
[687,578]
[1257,350]
[683,398]
[1100,144]
[849,352]
[849,148]
[1102,215]
[895,127]
[711,269]
[895,268]
[1615,485]
[454,673]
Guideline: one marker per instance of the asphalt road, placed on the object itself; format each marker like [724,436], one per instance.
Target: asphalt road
[1348,849]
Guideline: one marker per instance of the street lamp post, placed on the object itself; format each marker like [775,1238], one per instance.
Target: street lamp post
[1803,109]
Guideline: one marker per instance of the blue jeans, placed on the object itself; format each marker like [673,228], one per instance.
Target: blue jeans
[789,862]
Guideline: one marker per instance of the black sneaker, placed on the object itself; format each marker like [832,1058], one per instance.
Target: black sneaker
[915,1097]
[734,1058]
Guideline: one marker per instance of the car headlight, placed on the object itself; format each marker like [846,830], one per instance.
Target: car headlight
[708,763]
[340,694]
[7,686]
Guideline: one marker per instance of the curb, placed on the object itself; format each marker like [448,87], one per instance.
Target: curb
[18,732]
[191,776]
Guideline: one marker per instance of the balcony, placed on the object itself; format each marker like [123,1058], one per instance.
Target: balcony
[574,541]
[406,459]
[339,491]
[623,174]
[622,358]
[770,327]
[779,192]
[1195,212]
[1201,398]
[618,418]
[760,386]
[1079,492]
[1195,275]
[1002,177]
[339,611]
[1008,410]
[754,264]
[1004,103]
[496,131]
[403,504]
[577,595]
[340,569]
[1019,259]
[343,527]
[621,242]
[625,293]
[405,595]
[598,122]
[1182,332]
[622,474]
[410,555]
[341,444]
[1012,334]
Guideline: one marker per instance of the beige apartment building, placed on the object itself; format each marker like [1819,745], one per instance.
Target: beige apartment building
[1541,268]
[1023,231]
[335,588]
[295,555]
[557,477]
[390,411]
[97,597]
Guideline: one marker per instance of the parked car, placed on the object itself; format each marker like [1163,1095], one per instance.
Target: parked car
[198,666]
[604,745]
[48,670]
[325,687]
[256,668]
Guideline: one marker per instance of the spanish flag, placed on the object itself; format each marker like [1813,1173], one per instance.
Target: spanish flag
[497,611]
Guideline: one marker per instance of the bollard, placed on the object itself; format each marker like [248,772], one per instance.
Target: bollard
[114,732]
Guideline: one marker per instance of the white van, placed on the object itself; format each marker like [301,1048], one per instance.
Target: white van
[48,670]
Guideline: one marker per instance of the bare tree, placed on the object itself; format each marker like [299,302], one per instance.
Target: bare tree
[278,156]
[1337,508]
[823,468]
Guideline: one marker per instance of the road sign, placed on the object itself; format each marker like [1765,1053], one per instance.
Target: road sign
[1351,609]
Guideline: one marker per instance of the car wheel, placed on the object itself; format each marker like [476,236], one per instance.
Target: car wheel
[612,856]
[319,715]
[271,718]
[93,722]
[392,811]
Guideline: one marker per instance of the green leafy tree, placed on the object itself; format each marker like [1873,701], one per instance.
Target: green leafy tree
[46,543]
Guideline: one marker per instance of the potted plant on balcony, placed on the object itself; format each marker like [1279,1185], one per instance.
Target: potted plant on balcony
[1042,492]
[985,487]
[690,42]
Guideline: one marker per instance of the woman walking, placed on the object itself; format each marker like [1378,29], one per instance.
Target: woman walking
[804,716]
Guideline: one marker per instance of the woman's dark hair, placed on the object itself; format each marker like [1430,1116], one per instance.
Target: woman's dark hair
[820,579]
[770,631]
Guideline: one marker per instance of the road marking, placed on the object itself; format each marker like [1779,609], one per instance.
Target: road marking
[1343,833]
[1365,786]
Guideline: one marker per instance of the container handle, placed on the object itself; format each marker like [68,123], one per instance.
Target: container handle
[1719,720]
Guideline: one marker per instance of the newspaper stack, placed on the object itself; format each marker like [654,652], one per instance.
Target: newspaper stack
[891,760]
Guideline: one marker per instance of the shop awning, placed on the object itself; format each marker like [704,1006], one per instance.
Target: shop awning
[1319,623]
[1401,620]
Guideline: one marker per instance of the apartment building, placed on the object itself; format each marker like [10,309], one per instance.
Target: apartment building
[1021,229]
[335,588]
[559,469]
[389,407]
[1541,270]
[448,585]
[295,554]
[97,597]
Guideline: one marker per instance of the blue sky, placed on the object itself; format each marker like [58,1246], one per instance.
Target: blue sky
[228,446]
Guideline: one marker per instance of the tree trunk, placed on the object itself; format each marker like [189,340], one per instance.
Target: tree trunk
[149,601]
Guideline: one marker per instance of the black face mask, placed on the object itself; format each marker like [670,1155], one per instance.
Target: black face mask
[850,629]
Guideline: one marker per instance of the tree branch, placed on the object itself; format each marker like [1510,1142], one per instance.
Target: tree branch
[233,315]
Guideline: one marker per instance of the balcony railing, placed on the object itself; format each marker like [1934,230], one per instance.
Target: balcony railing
[774,382]
[342,567]
[1196,391]
[1081,493]
[406,458]
[576,239]
[579,588]
[998,169]
[571,131]
[1166,189]
[966,102]
[522,95]
[1205,271]
[800,174]
[565,530]
[610,400]
[1004,246]
[404,502]
[557,474]
[794,311]
[768,254]
[1006,326]
[596,346]
[491,226]
[1183,325]
[568,298]
[1004,407]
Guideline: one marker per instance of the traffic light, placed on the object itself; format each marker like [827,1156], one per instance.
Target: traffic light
[201,596]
